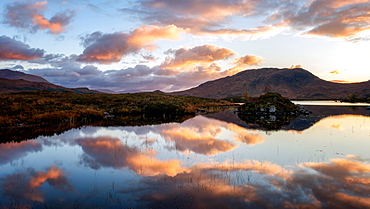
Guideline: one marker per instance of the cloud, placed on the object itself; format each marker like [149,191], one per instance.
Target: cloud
[67,72]
[28,16]
[249,60]
[17,67]
[214,20]
[247,34]
[199,54]
[331,18]
[335,72]
[147,34]
[11,49]
[110,48]
[295,66]
[133,79]
[215,9]
[243,62]
[148,58]
[182,68]
[106,48]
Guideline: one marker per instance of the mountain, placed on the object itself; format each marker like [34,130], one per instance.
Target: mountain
[13,86]
[15,75]
[14,81]
[107,91]
[291,83]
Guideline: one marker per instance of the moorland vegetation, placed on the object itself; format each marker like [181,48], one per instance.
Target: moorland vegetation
[46,107]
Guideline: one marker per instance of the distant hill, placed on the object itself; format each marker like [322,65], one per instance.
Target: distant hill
[291,83]
[107,91]
[14,81]
[15,75]
[13,86]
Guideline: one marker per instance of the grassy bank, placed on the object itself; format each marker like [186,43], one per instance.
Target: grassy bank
[44,107]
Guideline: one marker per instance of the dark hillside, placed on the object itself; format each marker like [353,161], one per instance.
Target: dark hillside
[14,86]
[291,83]
[16,75]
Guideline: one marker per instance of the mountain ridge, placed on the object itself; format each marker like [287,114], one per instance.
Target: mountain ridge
[16,75]
[294,83]
[15,81]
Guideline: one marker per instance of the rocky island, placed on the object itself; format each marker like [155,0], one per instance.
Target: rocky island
[270,110]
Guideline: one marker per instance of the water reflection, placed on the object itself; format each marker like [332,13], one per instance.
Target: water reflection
[27,185]
[341,183]
[204,136]
[215,161]
[110,152]
[14,151]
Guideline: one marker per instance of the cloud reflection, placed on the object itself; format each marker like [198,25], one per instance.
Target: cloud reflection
[14,151]
[340,183]
[339,122]
[27,185]
[107,151]
[208,136]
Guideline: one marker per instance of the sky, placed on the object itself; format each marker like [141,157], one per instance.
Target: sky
[172,45]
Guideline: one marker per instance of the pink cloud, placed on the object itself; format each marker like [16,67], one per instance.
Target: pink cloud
[28,16]
[11,49]
[43,23]
[332,18]
[249,60]
[295,66]
[202,17]
[242,62]
[199,54]
[110,48]
[335,72]
[147,34]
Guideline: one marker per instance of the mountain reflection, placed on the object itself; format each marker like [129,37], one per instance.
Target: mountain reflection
[299,123]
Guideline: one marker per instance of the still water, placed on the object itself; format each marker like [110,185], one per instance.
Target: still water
[212,161]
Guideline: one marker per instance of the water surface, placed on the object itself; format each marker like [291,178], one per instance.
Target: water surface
[212,161]
[331,103]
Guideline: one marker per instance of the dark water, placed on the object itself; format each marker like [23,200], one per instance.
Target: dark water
[212,161]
